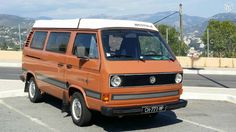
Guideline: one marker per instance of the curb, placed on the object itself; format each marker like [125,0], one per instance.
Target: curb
[210,72]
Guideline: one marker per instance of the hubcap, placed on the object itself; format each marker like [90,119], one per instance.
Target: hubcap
[76,109]
[32,89]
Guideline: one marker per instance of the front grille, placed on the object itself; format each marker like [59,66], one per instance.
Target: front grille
[142,80]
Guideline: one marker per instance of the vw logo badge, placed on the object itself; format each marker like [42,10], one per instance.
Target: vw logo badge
[152,79]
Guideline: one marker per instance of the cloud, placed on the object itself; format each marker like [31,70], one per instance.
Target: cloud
[82,8]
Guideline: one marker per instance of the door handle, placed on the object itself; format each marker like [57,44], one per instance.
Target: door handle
[68,66]
[60,64]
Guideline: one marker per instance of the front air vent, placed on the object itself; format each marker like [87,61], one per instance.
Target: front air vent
[28,39]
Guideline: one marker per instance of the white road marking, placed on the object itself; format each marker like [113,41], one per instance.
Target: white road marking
[201,125]
[28,116]
[197,124]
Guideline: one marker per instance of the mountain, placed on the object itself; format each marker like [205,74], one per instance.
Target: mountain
[43,18]
[225,16]
[13,21]
[9,32]
[219,17]
[190,23]
[194,26]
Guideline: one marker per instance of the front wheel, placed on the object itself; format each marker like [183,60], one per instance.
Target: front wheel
[34,92]
[80,114]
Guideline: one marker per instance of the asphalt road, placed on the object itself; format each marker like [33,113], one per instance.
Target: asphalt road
[46,116]
[224,81]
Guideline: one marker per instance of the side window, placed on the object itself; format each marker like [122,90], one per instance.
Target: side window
[38,40]
[89,42]
[58,42]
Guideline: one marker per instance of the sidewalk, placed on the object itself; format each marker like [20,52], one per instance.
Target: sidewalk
[209,93]
[10,63]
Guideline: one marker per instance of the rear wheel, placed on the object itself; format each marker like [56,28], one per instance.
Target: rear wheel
[80,114]
[34,93]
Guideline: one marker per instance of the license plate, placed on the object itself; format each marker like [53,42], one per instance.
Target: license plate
[153,109]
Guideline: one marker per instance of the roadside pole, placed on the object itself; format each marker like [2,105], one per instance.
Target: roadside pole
[167,35]
[19,36]
[208,41]
[181,25]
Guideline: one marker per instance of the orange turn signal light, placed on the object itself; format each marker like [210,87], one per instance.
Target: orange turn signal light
[105,97]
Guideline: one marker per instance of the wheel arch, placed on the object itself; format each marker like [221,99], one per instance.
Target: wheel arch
[72,89]
[28,76]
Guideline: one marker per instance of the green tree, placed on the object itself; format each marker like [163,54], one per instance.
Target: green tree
[173,39]
[222,38]
[16,47]
[233,45]
[3,45]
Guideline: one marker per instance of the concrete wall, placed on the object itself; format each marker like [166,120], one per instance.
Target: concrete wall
[207,62]
[10,56]
[15,56]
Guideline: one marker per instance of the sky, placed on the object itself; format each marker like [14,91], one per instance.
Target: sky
[83,8]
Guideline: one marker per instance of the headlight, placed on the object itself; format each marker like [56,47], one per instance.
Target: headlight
[178,78]
[115,81]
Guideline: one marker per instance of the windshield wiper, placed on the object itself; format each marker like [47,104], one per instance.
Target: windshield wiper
[121,55]
[141,58]
[171,58]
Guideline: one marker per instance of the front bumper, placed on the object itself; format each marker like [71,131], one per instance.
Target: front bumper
[136,110]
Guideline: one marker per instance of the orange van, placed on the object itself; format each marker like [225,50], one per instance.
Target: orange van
[116,67]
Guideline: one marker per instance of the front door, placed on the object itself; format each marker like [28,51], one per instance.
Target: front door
[81,72]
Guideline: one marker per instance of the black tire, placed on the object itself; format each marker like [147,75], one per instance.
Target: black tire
[85,114]
[34,95]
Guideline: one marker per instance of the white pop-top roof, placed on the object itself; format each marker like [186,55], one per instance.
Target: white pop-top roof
[92,24]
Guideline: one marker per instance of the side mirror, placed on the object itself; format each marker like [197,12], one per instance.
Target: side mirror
[81,53]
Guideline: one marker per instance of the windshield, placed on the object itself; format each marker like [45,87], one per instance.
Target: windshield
[127,44]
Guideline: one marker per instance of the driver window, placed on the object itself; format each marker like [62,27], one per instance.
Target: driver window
[89,42]
[150,45]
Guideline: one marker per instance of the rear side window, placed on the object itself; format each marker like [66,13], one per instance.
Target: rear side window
[88,41]
[38,40]
[58,42]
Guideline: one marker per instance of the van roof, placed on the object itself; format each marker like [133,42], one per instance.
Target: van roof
[92,24]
